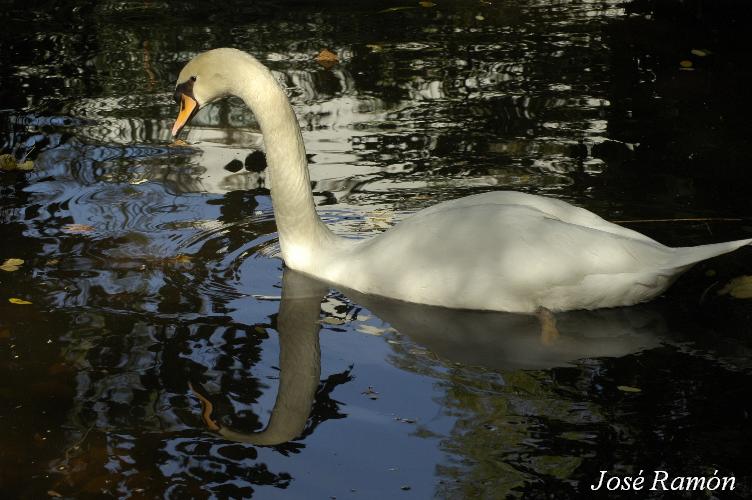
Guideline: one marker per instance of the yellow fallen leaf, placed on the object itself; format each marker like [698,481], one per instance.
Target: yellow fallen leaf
[11,265]
[27,165]
[427,4]
[700,52]
[685,63]
[8,162]
[626,388]
[20,302]
[179,143]
[326,58]
[77,228]
[739,288]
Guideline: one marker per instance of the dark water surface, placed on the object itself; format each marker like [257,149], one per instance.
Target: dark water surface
[158,311]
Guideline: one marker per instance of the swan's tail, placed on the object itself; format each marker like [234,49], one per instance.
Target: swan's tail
[686,256]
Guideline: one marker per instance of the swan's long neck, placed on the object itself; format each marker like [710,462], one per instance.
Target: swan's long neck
[301,231]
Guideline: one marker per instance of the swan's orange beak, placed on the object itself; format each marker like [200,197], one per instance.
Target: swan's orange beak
[188,107]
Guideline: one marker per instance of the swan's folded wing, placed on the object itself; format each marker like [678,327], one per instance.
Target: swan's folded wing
[551,207]
[501,258]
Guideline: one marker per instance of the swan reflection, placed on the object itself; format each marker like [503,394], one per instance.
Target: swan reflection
[499,341]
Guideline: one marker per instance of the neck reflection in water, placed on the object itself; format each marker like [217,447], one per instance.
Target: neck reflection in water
[497,341]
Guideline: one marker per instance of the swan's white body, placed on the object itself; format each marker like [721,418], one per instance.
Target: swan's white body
[503,251]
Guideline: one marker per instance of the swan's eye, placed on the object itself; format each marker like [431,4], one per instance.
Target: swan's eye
[185,88]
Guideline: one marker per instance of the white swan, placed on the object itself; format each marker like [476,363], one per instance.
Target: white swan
[503,251]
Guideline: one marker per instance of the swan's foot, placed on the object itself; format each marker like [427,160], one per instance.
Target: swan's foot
[549,332]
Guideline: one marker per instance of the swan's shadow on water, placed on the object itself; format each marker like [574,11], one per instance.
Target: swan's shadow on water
[498,341]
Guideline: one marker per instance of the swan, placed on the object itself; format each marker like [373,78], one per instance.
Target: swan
[500,251]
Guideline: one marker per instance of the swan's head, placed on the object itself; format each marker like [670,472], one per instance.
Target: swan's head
[207,77]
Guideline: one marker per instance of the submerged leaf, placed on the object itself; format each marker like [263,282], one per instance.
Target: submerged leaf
[11,265]
[396,9]
[627,388]
[78,228]
[739,288]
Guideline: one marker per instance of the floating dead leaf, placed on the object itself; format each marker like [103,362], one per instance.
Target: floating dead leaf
[686,65]
[78,228]
[739,288]
[179,143]
[372,330]
[11,265]
[53,262]
[19,302]
[701,52]
[327,58]
[53,493]
[381,219]
[627,388]
[178,260]
[427,4]
[396,9]
[332,321]
[375,47]
[8,162]
[371,393]
[405,420]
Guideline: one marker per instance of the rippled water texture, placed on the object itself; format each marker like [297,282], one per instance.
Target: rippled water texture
[167,354]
